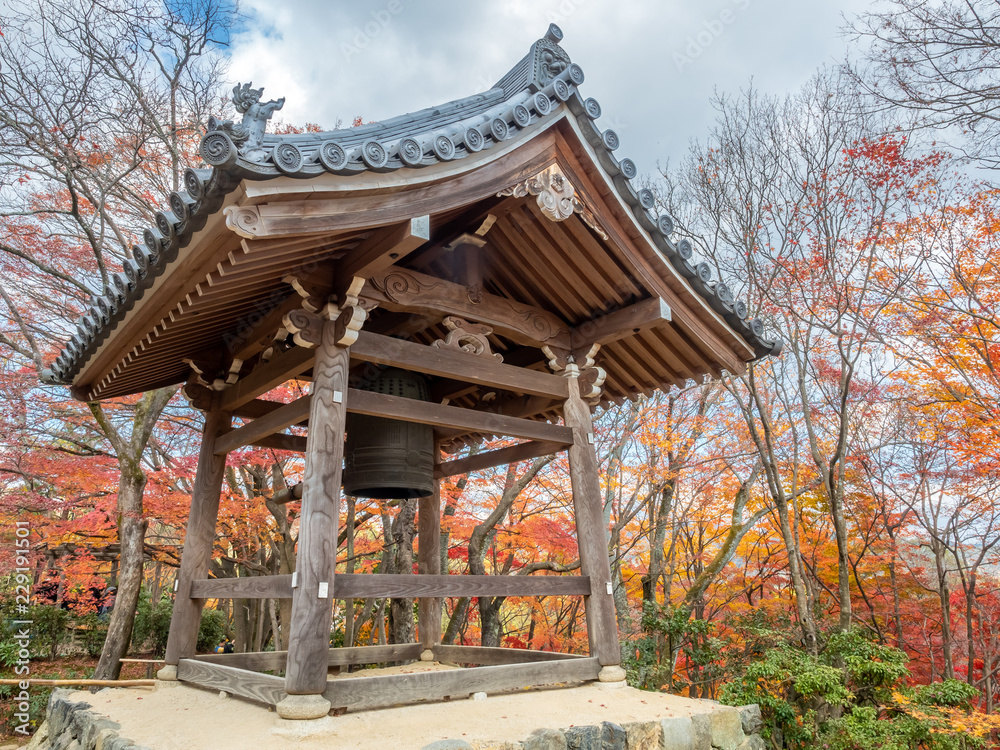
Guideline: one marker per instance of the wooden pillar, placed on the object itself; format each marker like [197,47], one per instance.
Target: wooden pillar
[313,592]
[602,627]
[198,542]
[429,563]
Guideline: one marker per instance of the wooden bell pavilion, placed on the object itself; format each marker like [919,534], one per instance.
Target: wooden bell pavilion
[481,268]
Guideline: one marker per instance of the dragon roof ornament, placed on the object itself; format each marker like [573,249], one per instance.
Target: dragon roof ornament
[247,136]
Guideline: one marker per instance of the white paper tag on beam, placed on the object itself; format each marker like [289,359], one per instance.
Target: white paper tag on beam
[324,590]
[295,580]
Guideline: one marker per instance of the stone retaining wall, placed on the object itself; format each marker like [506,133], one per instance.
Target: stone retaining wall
[723,728]
[73,726]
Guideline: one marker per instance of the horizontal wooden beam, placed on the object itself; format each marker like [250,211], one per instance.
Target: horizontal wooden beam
[359,693]
[338,657]
[384,247]
[275,421]
[396,585]
[499,457]
[401,585]
[282,441]
[385,350]
[403,290]
[484,656]
[439,415]
[621,323]
[282,367]
[263,688]
[250,587]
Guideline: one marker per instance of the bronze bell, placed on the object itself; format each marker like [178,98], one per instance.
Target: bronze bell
[387,459]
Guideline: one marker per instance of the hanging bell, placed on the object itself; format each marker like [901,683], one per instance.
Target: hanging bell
[387,459]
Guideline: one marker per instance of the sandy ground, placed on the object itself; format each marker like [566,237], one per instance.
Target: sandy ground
[181,717]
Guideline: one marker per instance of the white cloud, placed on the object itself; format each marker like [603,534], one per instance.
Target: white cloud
[380,58]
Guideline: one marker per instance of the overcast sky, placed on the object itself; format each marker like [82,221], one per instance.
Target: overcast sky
[652,64]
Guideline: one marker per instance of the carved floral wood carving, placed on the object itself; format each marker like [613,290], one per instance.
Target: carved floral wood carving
[244,220]
[410,291]
[556,197]
[580,365]
[307,327]
[468,337]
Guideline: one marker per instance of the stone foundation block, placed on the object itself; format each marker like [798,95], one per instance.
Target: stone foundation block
[701,737]
[727,728]
[583,738]
[677,733]
[751,719]
[613,737]
[545,739]
[643,735]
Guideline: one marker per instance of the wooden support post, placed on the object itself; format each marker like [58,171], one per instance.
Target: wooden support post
[602,627]
[429,563]
[312,596]
[200,537]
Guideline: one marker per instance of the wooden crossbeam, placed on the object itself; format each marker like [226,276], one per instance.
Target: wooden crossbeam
[385,247]
[264,688]
[385,350]
[621,323]
[339,657]
[239,399]
[277,420]
[403,290]
[261,432]
[499,457]
[396,585]
[439,415]
[283,367]
[281,441]
[359,693]
[484,655]
[250,587]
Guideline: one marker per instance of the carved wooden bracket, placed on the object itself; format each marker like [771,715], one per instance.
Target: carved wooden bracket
[402,290]
[199,396]
[213,375]
[306,326]
[468,337]
[592,384]
[348,321]
[244,220]
[579,364]
[556,197]
[314,295]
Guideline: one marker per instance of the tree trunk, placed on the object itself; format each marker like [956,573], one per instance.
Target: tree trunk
[131,536]
[944,596]
[843,550]
[404,627]
[970,632]
[489,618]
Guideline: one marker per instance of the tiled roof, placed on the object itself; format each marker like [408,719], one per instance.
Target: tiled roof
[544,83]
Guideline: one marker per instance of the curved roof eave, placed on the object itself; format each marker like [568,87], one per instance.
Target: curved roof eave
[542,85]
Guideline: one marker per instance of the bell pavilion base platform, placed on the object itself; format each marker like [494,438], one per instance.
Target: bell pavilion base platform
[256,676]
[181,717]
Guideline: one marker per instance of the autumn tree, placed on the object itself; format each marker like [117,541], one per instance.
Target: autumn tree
[796,197]
[98,106]
[936,60]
